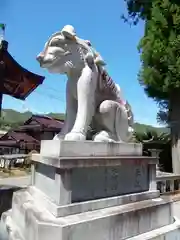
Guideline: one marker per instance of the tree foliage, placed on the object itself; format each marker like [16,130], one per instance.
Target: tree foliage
[160,46]
[141,9]
[151,136]
[160,57]
[138,9]
[154,140]
[160,51]
[163,114]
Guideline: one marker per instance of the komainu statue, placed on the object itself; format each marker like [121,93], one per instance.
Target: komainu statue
[92,98]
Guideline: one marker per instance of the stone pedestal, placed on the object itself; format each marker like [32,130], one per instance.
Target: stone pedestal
[87,190]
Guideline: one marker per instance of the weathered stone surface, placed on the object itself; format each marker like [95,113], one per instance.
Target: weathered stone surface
[108,182]
[63,184]
[170,232]
[80,207]
[95,161]
[88,197]
[113,223]
[55,148]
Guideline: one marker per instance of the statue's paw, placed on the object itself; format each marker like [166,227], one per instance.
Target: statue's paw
[58,137]
[103,136]
[73,136]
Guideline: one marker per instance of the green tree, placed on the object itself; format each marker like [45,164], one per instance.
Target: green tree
[155,140]
[151,136]
[138,9]
[160,55]
[141,9]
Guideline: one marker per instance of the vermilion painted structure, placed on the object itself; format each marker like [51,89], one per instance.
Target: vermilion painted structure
[15,80]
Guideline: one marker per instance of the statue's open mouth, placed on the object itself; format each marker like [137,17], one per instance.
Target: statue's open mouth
[49,63]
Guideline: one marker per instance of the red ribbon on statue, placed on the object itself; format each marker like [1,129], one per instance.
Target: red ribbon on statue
[122,102]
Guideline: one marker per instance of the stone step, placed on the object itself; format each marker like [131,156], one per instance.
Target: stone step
[170,232]
[86,206]
[119,222]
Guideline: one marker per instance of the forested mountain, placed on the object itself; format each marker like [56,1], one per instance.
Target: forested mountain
[11,118]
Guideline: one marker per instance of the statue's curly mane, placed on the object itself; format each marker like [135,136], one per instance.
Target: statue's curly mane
[107,83]
[109,86]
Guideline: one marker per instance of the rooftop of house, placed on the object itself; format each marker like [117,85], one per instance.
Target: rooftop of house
[38,121]
[8,143]
[17,137]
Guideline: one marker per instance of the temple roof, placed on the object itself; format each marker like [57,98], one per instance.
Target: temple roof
[15,80]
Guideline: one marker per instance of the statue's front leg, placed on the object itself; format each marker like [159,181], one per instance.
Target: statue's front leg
[71,111]
[86,88]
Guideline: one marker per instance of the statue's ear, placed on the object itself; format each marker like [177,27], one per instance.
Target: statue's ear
[69,32]
[99,61]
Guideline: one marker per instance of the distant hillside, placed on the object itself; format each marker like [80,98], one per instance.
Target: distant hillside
[143,128]
[12,118]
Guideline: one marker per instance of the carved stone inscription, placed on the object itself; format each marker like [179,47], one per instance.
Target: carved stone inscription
[94,183]
[141,170]
[137,183]
[113,176]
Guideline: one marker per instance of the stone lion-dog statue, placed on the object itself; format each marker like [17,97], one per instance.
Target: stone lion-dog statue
[92,98]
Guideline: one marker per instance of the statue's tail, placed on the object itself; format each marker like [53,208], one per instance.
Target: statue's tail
[124,124]
[127,106]
[119,93]
[130,114]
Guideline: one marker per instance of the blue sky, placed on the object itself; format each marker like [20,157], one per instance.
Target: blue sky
[31,22]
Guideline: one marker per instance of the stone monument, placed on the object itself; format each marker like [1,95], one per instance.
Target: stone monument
[82,190]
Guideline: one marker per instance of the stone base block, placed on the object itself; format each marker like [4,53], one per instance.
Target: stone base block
[112,223]
[71,180]
[70,172]
[80,207]
[88,149]
[170,232]
[88,190]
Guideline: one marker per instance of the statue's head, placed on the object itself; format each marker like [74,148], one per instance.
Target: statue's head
[63,52]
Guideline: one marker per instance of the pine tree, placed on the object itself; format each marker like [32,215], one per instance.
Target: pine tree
[160,55]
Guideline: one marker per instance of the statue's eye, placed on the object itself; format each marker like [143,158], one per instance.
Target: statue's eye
[55,42]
